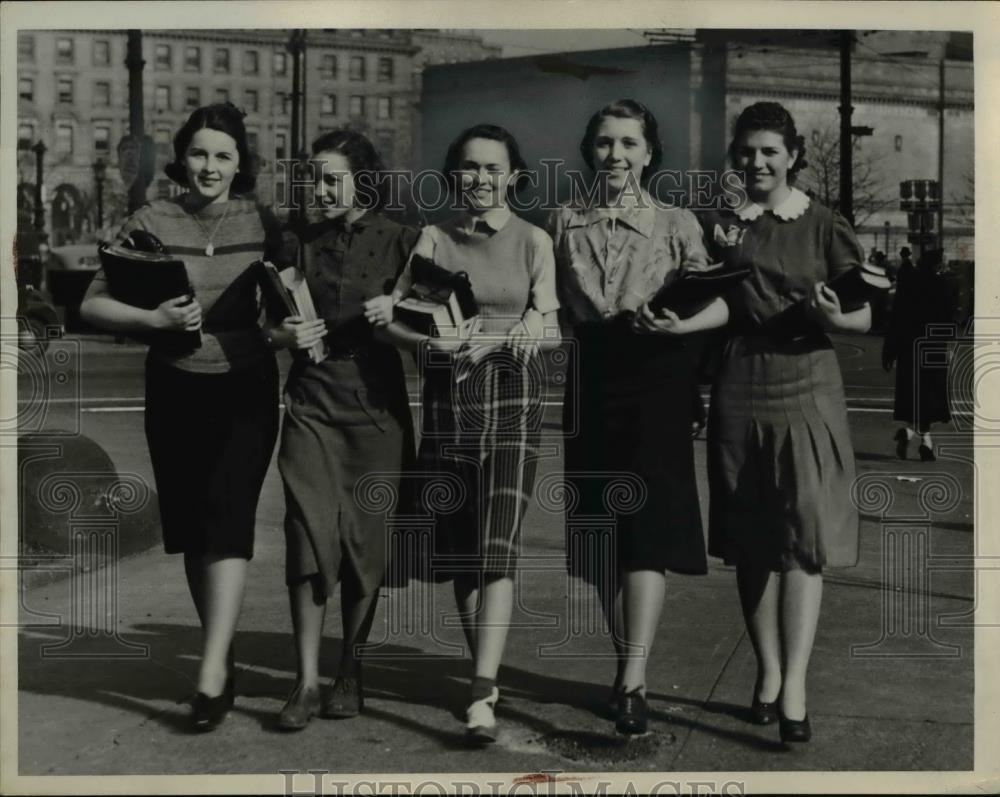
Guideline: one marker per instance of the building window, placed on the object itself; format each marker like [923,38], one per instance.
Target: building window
[281,102]
[102,139]
[899,143]
[102,94]
[25,48]
[251,64]
[329,66]
[25,136]
[357,106]
[253,139]
[192,59]
[162,98]
[64,90]
[356,67]
[384,108]
[162,143]
[26,89]
[280,64]
[386,70]
[64,51]
[222,95]
[161,57]
[102,52]
[64,139]
[384,141]
[192,97]
[222,59]
[280,145]
[329,104]
[250,101]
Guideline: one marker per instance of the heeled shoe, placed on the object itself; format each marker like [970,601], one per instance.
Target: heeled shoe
[926,453]
[762,713]
[303,704]
[346,698]
[207,713]
[632,713]
[794,731]
[480,719]
[902,442]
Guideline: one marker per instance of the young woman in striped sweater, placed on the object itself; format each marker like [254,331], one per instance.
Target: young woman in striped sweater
[211,412]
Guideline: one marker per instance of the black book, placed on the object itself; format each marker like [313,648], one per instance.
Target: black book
[695,290]
[439,302]
[286,293]
[428,273]
[147,280]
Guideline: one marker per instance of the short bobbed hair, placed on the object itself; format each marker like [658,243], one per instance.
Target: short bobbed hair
[226,118]
[625,109]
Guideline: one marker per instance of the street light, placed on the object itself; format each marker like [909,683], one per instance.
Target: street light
[39,150]
[99,168]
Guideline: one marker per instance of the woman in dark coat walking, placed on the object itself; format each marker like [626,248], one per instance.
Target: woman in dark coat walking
[921,383]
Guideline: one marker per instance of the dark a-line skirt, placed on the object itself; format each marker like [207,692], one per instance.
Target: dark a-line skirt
[627,415]
[210,439]
[781,463]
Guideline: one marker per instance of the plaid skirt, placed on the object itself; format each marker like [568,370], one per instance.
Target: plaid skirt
[477,460]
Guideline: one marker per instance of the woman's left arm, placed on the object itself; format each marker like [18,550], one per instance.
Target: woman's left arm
[843,252]
[540,321]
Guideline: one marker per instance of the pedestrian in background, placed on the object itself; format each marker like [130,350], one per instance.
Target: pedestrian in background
[481,421]
[345,417]
[921,399]
[211,413]
[632,401]
[781,464]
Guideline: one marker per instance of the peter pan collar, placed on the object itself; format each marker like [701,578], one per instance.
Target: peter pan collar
[790,208]
[494,219]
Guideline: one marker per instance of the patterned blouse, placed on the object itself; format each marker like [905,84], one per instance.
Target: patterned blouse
[607,265]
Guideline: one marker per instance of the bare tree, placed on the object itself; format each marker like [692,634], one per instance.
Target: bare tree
[821,177]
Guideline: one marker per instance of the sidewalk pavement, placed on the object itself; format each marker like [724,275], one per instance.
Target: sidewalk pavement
[103,680]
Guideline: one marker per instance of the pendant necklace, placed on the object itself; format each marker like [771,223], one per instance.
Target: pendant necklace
[210,247]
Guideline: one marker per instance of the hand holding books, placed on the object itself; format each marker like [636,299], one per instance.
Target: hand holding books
[290,307]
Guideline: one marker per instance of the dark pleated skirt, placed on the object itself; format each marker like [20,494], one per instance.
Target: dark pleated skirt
[627,417]
[781,464]
[210,438]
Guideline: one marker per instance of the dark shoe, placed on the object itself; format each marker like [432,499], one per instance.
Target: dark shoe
[208,712]
[762,713]
[631,713]
[795,730]
[302,706]
[926,453]
[346,699]
[902,441]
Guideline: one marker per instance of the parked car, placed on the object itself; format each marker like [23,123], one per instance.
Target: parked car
[68,272]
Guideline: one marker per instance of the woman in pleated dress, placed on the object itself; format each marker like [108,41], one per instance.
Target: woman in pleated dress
[781,462]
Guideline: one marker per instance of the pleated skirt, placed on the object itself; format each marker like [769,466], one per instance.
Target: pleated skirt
[780,459]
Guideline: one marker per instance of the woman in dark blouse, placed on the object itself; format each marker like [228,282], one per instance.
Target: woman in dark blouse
[781,463]
[345,417]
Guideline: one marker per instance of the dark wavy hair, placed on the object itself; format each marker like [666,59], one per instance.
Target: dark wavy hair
[625,109]
[770,116]
[361,156]
[492,133]
[226,118]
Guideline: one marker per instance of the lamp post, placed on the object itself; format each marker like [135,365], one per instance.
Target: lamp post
[39,150]
[99,167]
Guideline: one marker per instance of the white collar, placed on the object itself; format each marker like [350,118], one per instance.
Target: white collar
[791,207]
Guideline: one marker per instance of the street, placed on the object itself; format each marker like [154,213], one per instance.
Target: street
[103,680]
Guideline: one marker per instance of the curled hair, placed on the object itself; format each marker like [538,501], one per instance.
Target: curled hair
[226,118]
[626,109]
[362,157]
[492,133]
[770,116]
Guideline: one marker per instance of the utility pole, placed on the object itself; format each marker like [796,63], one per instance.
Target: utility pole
[940,213]
[297,47]
[39,150]
[134,63]
[846,129]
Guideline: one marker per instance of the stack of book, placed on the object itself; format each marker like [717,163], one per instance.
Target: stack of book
[439,303]
[286,293]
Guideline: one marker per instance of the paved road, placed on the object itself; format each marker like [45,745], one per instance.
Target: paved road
[891,678]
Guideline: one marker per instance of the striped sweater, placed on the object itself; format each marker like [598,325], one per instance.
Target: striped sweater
[240,233]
